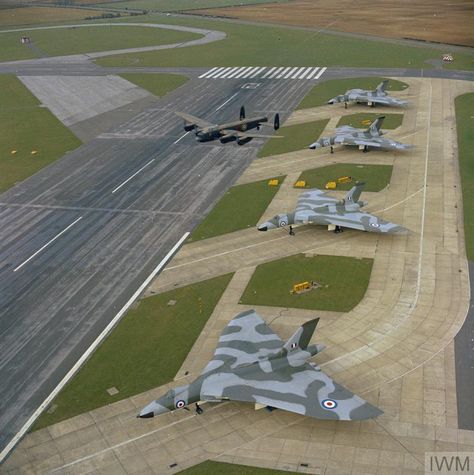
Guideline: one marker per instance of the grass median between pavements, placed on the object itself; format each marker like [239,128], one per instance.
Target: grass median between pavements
[262,45]
[363,120]
[144,351]
[86,39]
[157,83]
[27,127]
[240,208]
[214,468]
[180,5]
[343,281]
[465,128]
[295,137]
[322,92]
[376,177]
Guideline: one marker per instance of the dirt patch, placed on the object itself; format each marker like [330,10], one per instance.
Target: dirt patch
[430,20]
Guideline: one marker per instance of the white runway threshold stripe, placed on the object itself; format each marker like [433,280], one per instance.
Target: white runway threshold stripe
[47,244]
[265,72]
[91,348]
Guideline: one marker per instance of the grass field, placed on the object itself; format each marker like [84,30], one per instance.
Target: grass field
[179,5]
[158,84]
[321,93]
[36,15]
[271,282]
[26,126]
[376,177]
[249,45]
[241,207]
[144,351]
[86,39]
[391,121]
[209,467]
[296,137]
[465,127]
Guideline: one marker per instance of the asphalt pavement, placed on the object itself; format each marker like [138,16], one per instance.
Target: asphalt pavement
[79,237]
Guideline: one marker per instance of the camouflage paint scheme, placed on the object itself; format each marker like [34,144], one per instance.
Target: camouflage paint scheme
[252,364]
[229,132]
[363,138]
[360,96]
[317,207]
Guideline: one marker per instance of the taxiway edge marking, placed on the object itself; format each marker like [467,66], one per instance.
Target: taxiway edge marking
[47,244]
[91,349]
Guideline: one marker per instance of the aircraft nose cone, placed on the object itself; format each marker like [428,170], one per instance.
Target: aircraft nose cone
[262,227]
[314,146]
[146,415]
[331,101]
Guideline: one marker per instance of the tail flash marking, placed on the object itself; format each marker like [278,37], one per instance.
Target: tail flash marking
[302,337]
[354,193]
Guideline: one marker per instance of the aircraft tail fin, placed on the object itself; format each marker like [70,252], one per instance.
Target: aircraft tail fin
[242,113]
[276,122]
[354,193]
[380,89]
[374,128]
[302,336]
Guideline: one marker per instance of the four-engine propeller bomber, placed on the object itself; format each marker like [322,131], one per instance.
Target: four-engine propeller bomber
[252,364]
[362,138]
[231,131]
[316,207]
[371,98]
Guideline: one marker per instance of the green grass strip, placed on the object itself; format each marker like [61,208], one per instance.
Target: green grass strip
[26,126]
[240,208]
[209,467]
[158,84]
[391,121]
[144,351]
[376,177]
[465,127]
[344,281]
[296,137]
[264,45]
[321,93]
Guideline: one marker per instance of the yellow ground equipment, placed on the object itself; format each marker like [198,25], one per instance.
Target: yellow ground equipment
[13,152]
[300,184]
[366,122]
[330,185]
[273,182]
[34,152]
[304,287]
[344,179]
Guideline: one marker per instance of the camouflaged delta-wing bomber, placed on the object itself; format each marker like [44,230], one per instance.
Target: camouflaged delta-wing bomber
[252,364]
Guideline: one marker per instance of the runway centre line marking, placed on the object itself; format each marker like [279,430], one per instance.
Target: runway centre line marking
[228,100]
[182,137]
[91,348]
[134,175]
[47,244]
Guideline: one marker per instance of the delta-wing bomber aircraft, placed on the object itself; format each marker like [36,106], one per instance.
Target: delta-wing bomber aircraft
[362,138]
[252,364]
[371,98]
[229,132]
[316,207]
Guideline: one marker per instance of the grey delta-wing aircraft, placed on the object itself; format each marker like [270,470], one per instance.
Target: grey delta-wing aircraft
[252,364]
[371,98]
[229,132]
[362,138]
[317,207]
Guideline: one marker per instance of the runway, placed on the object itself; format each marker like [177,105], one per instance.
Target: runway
[80,236]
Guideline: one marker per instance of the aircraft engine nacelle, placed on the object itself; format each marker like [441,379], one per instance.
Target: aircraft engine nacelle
[227,138]
[244,140]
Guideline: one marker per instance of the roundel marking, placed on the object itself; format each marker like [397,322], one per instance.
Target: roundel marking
[180,404]
[282,223]
[375,225]
[329,404]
